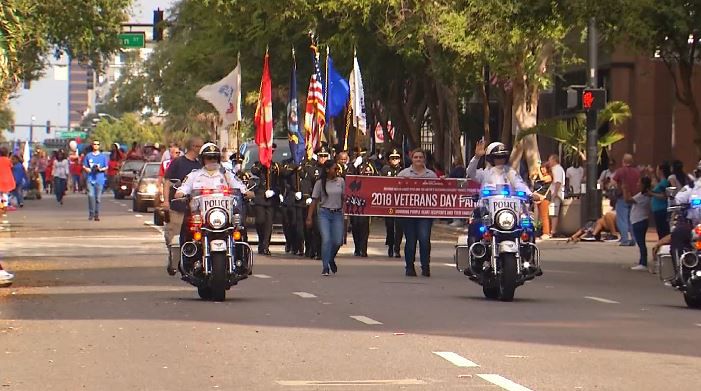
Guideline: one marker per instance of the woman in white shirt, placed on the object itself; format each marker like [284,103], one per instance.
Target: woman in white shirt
[639,213]
[60,173]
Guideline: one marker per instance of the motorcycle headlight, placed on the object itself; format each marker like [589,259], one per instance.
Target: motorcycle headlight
[506,220]
[217,219]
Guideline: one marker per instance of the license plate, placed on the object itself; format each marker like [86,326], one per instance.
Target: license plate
[496,204]
[217,245]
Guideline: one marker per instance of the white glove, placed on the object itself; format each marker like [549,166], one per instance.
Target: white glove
[298,195]
[269,193]
[357,161]
[314,157]
[309,201]
[282,199]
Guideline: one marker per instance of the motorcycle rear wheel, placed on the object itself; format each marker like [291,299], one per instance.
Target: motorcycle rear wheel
[692,301]
[507,282]
[218,279]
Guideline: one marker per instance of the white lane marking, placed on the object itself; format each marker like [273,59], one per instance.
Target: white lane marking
[121,204]
[304,295]
[365,319]
[154,226]
[698,324]
[601,300]
[129,210]
[456,359]
[261,276]
[503,382]
[398,382]
[138,215]
[5,222]
[449,264]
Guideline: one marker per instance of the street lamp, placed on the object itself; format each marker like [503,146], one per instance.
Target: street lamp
[31,129]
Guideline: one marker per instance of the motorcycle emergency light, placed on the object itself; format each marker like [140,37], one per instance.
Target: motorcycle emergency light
[526,222]
[520,193]
[487,235]
[697,230]
[236,235]
[486,192]
[697,245]
[696,202]
[504,192]
[525,236]
[197,235]
[483,229]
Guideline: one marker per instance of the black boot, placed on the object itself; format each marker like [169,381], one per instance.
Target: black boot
[390,252]
[426,271]
[410,271]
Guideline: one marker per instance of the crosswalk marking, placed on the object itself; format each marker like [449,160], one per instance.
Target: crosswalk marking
[456,359]
[365,319]
[304,295]
[601,300]
[503,382]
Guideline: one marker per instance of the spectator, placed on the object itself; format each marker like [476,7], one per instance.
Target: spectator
[417,228]
[61,172]
[557,192]
[659,200]
[42,164]
[439,170]
[679,178]
[541,185]
[135,152]
[592,230]
[95,166]
[639,215]
[21,180]
[606,176]
[7,180]
[627,179]
[458,170]
[328,195]
[575,176]
[49,174]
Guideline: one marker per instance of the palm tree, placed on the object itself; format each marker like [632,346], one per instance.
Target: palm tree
[572,132]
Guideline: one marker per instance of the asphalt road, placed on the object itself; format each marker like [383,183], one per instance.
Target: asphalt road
[92,308]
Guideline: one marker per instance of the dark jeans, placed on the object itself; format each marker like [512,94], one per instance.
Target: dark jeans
[59,188]
[639,231]
[394,234]
[661,223]
[417,229]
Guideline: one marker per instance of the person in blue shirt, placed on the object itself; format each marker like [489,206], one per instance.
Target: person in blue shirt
[659,200]
[20,175]
[95,165]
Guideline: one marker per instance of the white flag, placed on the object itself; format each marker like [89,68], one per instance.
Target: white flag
[225,96]
[357,97]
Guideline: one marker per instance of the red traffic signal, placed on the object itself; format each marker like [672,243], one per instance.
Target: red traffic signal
[593,99]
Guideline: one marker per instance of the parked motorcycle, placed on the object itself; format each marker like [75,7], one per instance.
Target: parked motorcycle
[682,269]
[215,252]
[500,253]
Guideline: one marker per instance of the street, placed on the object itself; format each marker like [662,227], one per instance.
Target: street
[93,308]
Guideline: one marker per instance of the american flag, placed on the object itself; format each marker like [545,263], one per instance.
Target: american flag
[315,113]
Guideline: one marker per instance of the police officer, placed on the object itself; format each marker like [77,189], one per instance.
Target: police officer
[312,173]
[293,207]
[267,201]
[342,162]
[393,225]
[212,175]
[361,224]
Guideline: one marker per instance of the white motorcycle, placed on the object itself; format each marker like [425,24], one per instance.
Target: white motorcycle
[500,253]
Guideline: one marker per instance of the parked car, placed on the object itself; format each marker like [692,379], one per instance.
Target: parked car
[147,192]
[128,173]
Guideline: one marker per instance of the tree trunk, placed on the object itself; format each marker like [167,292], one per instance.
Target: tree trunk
[506,116]
[485,111]
[525,108]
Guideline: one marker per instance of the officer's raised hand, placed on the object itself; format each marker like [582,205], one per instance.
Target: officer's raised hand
[480,149]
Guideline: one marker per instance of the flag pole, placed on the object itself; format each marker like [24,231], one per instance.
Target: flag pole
[327,128]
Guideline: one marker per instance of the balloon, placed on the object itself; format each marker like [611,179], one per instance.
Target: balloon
[73,145]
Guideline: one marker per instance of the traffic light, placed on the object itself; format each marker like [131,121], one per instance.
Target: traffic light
[158,25]
[582,98]
[90,79]
[48,127]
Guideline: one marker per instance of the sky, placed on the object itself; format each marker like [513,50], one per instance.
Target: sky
[47,98]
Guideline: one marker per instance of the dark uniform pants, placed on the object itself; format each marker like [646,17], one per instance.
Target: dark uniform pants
[294,228]
[264,225]
[361,233]
[312,236]
[394,234]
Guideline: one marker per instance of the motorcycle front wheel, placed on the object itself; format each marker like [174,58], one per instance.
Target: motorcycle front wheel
[507,282]
[205,293]
[218,279]
[490,292]
[692,301]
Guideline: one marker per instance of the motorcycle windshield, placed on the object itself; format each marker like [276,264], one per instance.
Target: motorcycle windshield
[495,203]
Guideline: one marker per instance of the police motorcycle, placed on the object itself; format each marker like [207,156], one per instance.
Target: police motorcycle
[682,270]
[500,253]
[215,252]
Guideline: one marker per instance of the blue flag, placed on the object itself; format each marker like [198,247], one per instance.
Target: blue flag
[338,91]
[293,133]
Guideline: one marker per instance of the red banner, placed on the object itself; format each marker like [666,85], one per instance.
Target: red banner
[409,197]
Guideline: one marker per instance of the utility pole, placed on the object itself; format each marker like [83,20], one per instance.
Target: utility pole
[592,206]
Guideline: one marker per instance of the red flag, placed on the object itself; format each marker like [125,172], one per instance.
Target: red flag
[264,117]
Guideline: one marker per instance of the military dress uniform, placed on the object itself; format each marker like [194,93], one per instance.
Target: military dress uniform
[393,225]
[360,225]
[266,202]
[293,207]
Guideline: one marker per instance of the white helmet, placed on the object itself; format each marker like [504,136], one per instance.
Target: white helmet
[496,150]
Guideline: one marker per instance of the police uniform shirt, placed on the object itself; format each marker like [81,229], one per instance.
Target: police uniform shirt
[389,170]
[496,175]
[214,180]
[685,196]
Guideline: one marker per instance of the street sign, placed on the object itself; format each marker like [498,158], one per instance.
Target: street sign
[132,40]
[72,134]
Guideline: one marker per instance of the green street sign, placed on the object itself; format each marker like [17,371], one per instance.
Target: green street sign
[73,134]
[132,40]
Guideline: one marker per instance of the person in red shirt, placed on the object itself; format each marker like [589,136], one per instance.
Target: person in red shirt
[76,168]
[627,178]
[49,172]
[116,158]
[7,180]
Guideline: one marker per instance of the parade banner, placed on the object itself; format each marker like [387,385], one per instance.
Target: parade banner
[409,197]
